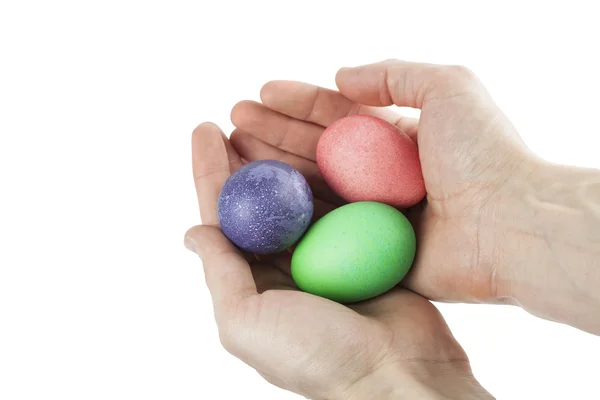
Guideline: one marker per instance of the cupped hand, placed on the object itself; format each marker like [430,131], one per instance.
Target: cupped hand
[468,151]
[394,345]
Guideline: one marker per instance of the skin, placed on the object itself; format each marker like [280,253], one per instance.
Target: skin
[498,225]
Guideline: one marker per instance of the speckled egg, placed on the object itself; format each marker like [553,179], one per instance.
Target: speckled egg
[265,206]
[355,252]
[364,158]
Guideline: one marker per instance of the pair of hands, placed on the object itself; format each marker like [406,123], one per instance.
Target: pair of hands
[396,344]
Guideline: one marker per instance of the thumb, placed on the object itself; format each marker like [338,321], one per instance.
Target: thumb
[228,275]
[405,84]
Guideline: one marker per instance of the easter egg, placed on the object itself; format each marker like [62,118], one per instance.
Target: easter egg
[355,252]
[364,158]
[265,206]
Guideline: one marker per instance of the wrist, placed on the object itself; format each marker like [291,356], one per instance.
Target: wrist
[418,380]
[549,244]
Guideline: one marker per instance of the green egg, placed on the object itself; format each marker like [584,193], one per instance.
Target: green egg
[355,252]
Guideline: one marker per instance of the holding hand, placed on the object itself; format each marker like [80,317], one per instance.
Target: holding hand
[498,225]
[394,346]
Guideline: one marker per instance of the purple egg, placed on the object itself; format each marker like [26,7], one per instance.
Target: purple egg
[265,206]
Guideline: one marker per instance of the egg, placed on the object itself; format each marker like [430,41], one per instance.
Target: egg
[265,206]
[364,158]
[355,252]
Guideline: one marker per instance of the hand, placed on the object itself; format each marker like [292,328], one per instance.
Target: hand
[394,346]
[499,225]
[467,147]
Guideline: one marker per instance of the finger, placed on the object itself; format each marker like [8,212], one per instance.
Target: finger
[405,84]
[288,134]
[407,125]
[211,169]
[228,275]
[321,106]
[252,149]
[306,102]
[235,161]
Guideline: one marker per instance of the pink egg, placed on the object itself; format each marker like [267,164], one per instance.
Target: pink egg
[364,158]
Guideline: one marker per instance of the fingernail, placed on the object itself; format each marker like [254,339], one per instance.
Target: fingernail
[190,244]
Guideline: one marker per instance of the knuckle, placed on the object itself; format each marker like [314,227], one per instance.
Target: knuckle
[226,337]
[461,76]
[460,72]
[231,327]
[236,325]
[455,80]
[391,61]
[193,231]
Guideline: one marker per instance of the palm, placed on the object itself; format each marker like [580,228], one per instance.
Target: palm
[301,331]
[465,163]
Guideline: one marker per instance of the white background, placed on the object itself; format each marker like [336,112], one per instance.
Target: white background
[98,297]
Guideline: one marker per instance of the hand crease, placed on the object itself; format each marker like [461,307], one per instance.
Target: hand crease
[309,116]
[205,175]
[385,90]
